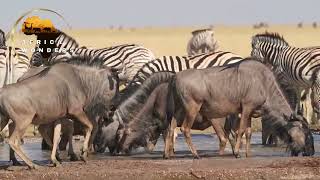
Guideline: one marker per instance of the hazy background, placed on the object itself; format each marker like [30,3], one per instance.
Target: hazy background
[139,13]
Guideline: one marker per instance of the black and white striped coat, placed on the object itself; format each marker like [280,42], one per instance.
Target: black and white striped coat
[299,67]
[179,63]
[13,64]
[127,58]
[202,41]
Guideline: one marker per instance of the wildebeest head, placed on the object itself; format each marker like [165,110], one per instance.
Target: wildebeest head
[140,133]
[300,136]
[106,136]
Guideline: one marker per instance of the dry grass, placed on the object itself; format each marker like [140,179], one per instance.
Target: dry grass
[173,41]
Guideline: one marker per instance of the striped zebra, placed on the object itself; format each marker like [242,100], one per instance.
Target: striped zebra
[202,41]
[176,64]
[13,64]
[2,38]
[299,67]
[127,58]
[62,42]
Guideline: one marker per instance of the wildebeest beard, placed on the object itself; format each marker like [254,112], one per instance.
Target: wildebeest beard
[291,130]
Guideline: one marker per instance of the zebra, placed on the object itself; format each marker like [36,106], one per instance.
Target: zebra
[126,58]
[13,64]
[176,64]
[62,42]
[202,42]
[300,67]
[2,38]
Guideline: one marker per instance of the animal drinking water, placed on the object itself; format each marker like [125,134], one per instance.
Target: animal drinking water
[248,88]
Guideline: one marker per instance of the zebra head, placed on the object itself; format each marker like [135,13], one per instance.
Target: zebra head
[264,46]
[256,51]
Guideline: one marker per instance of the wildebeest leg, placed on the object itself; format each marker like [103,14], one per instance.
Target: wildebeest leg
[248,137]
[220,133]
[13,158]
[93,133]
[56,137]
[71,153]
[64,141]
[169,140]
[14,142]
[47,134]
[191,112]
[245,115]
[82,117]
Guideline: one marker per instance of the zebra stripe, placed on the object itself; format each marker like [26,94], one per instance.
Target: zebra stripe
[179,63]
[2,38]
[63,42]
[127,58]
[202,41]
[300,66]
[13,64]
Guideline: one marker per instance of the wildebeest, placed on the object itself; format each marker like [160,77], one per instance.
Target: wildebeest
[144,114]
[63,90]
[249,88]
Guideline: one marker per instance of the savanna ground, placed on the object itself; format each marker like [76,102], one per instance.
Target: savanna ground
[173,41]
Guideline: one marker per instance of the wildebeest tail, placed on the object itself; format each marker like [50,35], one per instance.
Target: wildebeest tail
[170,99]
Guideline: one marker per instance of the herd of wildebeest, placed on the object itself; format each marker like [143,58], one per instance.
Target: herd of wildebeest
[74,98]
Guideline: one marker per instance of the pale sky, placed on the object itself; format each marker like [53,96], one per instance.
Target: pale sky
[139,13]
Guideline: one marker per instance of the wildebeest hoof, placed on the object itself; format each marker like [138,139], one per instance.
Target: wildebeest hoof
[166,156]
[84,159]
[15,162]
[74,157]
[196,157]
[56,163]
[237,155]
[34,166]
[58,158]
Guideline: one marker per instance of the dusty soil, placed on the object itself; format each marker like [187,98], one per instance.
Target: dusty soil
[205,168]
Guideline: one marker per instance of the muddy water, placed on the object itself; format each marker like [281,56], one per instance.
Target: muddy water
[207,146]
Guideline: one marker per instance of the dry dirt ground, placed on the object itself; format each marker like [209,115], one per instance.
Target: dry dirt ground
[205,168]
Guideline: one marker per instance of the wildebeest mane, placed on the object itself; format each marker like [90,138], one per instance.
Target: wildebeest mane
[130,107]
[236,64]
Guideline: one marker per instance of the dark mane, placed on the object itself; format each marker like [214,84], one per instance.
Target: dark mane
[136,81]
[200,31]
[270,37]
[131,106]
[237,64]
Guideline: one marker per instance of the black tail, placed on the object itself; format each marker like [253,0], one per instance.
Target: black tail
[170,99]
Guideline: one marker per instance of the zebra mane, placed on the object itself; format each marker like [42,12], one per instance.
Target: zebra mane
[195,32]
[131,106]
[270,37]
